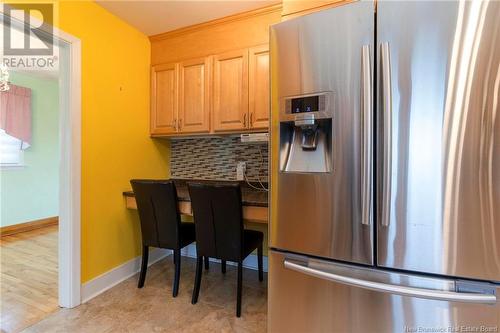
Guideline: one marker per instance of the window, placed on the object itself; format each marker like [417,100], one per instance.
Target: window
[10,150]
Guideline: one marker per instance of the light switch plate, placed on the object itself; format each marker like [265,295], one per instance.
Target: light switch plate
[241,167]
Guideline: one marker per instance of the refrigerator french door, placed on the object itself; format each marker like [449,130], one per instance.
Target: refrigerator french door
[319,56]
[439,157]
[401,231]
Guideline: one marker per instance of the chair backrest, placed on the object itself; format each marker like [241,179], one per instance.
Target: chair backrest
[218,220]
[158,212]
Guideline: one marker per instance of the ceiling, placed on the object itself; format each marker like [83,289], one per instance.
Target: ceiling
[154,17]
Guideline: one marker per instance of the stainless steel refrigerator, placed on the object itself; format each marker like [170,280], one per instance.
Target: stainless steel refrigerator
[385,209]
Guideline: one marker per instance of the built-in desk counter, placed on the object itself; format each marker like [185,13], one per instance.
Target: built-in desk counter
[255,204]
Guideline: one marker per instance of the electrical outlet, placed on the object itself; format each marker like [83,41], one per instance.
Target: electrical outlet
[241,167]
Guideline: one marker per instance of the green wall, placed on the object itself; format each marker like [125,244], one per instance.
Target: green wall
[31,192]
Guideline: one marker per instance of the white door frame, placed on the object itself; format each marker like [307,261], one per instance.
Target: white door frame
[69,169]
[70,177]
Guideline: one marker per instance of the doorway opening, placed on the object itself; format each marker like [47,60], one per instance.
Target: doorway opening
[40,180]
[29,173]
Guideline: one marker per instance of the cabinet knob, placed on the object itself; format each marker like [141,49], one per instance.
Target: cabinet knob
[251,119]
[245,120]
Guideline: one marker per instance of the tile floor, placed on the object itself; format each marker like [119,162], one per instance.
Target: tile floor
[125,308]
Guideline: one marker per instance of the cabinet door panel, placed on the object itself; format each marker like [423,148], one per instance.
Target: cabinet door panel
[194,95]
[164,99]
[259,87]
[231,91]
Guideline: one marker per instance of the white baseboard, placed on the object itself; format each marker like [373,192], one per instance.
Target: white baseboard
[111,278]
[250,261]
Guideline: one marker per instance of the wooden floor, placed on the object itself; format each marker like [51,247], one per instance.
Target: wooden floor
[125,308]
[28,278]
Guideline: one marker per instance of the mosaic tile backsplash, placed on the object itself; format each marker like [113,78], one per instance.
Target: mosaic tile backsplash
[216,158]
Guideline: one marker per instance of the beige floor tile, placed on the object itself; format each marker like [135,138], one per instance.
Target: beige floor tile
[125,308]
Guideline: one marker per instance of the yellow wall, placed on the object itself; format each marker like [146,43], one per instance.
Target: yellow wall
[115,132]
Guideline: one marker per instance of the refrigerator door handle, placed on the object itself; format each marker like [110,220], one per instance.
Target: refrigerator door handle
[433,294]
[366,151]
[386,103]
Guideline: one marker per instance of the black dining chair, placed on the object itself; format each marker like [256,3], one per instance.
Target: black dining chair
[220,234]
[161,224]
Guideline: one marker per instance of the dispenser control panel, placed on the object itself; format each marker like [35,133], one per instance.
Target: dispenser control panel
[306,103]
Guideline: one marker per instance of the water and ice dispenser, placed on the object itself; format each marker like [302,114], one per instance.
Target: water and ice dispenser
[306,133]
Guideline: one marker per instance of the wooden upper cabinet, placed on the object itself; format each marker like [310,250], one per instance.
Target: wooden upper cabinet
[213,94]
[258,92]
[194,95]
[230,91]
[164,98]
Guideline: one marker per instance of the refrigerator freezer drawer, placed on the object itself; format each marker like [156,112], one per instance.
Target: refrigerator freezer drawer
[310,295]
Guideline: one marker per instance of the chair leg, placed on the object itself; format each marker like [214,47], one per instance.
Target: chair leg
[197,279]
[206,263]
[238,298]
[177,260]
[260,262]
[144,266]
[223,266]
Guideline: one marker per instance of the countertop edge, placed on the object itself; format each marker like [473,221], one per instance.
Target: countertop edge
[131,194]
